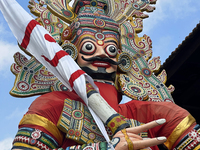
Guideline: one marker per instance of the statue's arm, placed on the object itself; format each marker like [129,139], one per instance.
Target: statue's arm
[119,140]
[181,129]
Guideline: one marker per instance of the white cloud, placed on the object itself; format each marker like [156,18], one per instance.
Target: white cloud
[6,144]
[7,49]
[17,113]
[170,10]
[6,55]
[4,30]
[180,8]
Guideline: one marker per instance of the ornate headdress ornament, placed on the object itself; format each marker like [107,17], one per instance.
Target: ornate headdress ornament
[91,15]
[136,77]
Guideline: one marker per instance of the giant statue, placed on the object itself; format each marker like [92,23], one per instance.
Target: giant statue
[84,58]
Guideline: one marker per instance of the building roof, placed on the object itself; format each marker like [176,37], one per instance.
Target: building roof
[195,32]
[183,71]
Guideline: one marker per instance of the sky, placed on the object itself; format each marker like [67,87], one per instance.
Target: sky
[167,27]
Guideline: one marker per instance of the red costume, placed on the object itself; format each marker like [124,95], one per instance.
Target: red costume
[49,107]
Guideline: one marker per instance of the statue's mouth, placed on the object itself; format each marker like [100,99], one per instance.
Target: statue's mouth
[101,64]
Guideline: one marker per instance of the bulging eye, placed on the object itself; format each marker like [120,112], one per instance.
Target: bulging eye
[111,50]
[88,48]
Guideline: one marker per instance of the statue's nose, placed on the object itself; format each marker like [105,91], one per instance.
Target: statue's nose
[101,52]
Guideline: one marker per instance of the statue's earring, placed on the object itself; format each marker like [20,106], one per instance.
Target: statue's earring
[126,61]
[66,34]
[71,49]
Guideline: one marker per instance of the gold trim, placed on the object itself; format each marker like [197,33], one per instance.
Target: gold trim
[34,119]
[25,145]
[130,143]
[180,128]
[197,148]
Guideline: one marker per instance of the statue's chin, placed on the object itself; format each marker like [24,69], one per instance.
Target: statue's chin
[100,74]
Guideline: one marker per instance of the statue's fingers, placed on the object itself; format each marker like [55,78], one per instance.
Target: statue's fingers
[145,127]
[134,136]
[139,144]
[130,135]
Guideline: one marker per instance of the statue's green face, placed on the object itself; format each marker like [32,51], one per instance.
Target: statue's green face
[97,52]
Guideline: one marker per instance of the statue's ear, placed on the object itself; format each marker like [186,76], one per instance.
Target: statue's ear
[70,48]
[126,61]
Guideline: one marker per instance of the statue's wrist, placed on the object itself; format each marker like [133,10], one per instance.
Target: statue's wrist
[116,123]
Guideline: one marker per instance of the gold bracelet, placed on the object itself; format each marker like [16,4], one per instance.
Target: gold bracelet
[130,143]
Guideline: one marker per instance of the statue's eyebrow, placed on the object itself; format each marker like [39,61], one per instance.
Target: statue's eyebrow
[86,38]
[112,41]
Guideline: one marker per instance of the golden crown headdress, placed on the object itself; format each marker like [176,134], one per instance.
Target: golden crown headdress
[135,77]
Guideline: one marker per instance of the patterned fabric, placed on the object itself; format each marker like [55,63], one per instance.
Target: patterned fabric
[93,146]
[34,139]
[37,120]
[93,14]
[179,130]
[90,89]
[191,140]
[78,124]
[116,123]
[88,20]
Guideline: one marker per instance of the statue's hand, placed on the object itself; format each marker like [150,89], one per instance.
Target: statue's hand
[120,143]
